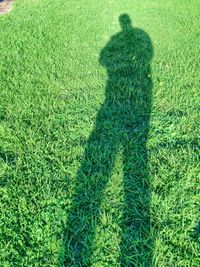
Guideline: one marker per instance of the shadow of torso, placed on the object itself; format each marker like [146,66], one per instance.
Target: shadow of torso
[127,58]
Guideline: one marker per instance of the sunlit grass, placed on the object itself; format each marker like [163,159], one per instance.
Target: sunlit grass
[51,90]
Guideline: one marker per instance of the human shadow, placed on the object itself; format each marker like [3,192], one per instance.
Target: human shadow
[122,123]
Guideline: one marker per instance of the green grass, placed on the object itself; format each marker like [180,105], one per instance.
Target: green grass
[100,167]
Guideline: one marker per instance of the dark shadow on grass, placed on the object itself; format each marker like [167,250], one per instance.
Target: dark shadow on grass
[122,122]
[196,233]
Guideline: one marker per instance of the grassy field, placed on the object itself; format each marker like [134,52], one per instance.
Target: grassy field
[99,133]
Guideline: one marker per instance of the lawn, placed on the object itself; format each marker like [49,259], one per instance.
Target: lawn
[99,133]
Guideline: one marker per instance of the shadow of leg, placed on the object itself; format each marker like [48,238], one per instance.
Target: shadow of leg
[136,242]
[92,178]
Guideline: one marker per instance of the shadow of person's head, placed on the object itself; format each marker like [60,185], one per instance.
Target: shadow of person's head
[127,52]
[125,22]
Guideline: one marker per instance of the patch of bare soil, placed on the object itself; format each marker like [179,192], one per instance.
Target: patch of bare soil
[5,6]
